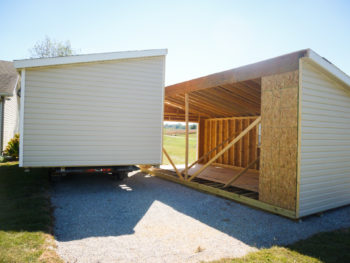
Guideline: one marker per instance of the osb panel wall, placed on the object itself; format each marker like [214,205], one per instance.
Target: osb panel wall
[218,130]
[279,136]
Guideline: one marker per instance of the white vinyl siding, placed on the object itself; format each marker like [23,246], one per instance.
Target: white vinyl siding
[94,114]
[11,117]
[325,142]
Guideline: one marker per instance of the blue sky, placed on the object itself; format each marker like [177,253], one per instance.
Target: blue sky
[202,37]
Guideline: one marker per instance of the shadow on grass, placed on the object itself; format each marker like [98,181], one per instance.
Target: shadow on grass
[25,216]
[328,247]
[24,200]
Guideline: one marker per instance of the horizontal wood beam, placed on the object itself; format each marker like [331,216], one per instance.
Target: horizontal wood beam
[182,107]
[233,118]
[226,194]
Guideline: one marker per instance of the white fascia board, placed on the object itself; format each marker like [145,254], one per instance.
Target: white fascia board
[329,67]
[41,62]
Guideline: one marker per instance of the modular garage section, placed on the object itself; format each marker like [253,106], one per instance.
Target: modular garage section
[274,134]
[92,110]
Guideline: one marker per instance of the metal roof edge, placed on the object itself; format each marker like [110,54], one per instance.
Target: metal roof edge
[328,66]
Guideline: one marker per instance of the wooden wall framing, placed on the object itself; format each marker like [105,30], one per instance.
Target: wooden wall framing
[217,130]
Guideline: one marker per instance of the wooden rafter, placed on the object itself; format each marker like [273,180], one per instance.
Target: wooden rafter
[219,102]
[227,97]
[206,105]
[180,101]
[180,105]
[251,99]
[229,100]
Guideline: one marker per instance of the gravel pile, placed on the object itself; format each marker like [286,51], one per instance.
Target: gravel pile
[147,219]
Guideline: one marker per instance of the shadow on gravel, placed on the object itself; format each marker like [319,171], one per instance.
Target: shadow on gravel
[96,206]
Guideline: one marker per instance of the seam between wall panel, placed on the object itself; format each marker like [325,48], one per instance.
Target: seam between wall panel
[297,203]
[21,116]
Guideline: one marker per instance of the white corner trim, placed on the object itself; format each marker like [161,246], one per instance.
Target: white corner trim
[40,62]
[326,65]
[21,117]
[162,114]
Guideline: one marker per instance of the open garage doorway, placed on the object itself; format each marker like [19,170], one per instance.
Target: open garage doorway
[174,142]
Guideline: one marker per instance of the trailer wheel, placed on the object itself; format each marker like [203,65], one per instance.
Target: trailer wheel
[120,176]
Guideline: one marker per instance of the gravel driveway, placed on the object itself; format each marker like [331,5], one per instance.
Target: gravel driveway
[147,219]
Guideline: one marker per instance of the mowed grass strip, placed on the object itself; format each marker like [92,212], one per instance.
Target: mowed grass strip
[25,216]
[175,146]
[327,247]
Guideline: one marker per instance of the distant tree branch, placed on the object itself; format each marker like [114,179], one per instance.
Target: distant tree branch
[51,48]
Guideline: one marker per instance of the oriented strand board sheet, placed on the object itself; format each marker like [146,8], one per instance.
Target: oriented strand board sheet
[279,139]
[248,181]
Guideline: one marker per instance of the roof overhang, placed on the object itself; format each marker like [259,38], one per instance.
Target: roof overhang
[328,67]
[42,62]
[277,65]
[237,92]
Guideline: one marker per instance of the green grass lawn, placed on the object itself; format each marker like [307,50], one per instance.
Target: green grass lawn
[175,146]
[25,216]
[328,247]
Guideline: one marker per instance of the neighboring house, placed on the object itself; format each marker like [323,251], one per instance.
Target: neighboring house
[9,103]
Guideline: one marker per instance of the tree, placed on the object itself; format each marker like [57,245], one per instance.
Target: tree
[193,126]
[12,148]
[51,48]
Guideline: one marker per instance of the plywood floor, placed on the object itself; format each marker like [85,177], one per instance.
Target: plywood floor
[248,181]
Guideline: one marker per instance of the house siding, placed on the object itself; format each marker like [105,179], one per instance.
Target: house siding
[325,142]
[92,114]
[11,117]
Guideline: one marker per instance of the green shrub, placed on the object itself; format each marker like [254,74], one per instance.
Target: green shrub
[12,148]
